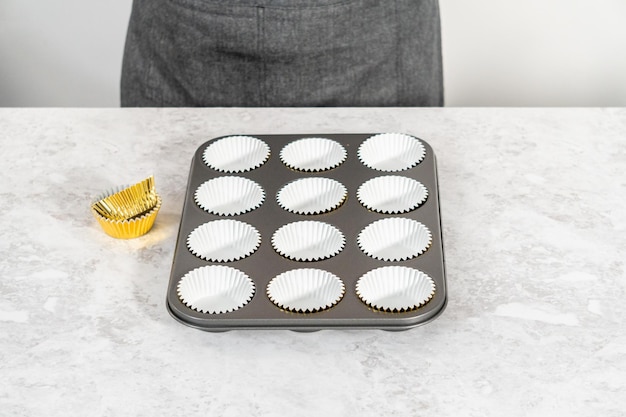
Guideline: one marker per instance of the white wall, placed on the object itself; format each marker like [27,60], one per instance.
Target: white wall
[534,52]
[61,52]
[496,52]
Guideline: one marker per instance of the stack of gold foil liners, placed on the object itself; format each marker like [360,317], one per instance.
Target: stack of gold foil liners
[128,212]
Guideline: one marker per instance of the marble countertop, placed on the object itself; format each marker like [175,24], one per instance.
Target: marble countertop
[534,230]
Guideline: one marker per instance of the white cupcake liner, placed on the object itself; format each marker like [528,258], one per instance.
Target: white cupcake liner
[223,240]
[308,241]
[215,289]
[305,290]
[394,239]
[391,152]
[236,154]
[313,154]
[229,196]
[313,195]
[395,288]
[392,194]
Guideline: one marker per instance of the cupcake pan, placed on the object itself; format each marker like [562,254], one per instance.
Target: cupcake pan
[274,255]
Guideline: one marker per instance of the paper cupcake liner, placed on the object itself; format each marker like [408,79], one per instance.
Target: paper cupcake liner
[395,288]
[392,194]
[391,152]
[313,154]
[128,201]
[313,195]
[308,241]
[236,154]
[215,289]
[229,196]
[394,239]
[305,290]
[223,240]
[130,228]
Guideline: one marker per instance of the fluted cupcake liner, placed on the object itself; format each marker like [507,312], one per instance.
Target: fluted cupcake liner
[312,195]
[223,240]
[392,194]
[391,152]
[394,239]
[308,241]
[395,288]
[305,290]
[128,201]
[229,196]
[215,289]
[236,154]
[129,228]
[313,154]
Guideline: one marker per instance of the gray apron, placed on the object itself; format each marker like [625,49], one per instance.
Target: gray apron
[283,53]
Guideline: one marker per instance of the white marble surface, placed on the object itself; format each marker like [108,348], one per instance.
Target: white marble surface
[535,238]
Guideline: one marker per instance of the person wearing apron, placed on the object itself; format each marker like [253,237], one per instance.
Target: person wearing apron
[282,53]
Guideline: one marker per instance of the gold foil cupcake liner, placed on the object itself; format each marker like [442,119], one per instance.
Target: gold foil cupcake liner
[129,228]
[127,202]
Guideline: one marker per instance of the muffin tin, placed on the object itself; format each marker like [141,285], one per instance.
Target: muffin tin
[310,232]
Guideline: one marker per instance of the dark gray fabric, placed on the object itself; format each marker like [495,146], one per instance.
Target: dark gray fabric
[292,53]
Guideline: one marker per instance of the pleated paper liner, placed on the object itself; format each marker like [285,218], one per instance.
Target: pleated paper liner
[308,241]
[391,152]
[229,196]
[129,228]
[126,202]
[392,194]
[215,289]
[394,239]
[234,154]
[305,290]
[312,195]
[224,240]
[313,154]
[395,288]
